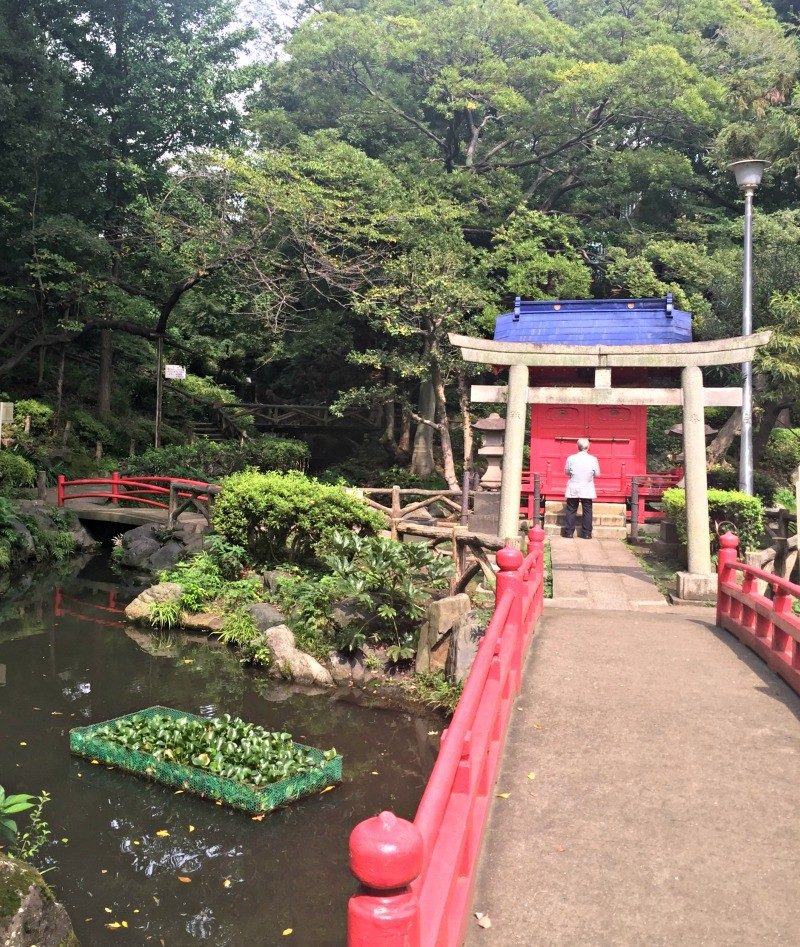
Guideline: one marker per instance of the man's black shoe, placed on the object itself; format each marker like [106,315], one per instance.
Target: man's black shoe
[582,536]
[565,534]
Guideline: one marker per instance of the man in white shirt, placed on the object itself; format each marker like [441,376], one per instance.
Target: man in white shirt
[581,468]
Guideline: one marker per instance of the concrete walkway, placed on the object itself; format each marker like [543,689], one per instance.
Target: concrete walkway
[600,574]
[653,766]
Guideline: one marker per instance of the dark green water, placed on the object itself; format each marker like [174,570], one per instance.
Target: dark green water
[249,880]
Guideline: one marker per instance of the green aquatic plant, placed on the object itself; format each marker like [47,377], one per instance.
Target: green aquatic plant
[240,630]
[226,746]
[27,843]
[165,614]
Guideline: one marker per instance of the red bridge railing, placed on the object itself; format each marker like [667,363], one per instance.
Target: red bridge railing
[766,625]
[126,489]
[417,878]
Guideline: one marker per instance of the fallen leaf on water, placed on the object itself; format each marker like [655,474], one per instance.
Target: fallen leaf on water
[226,883]
[136,910]
[124,923]
[531,775]
[218,802]
[113,925]
[22,743]
[56,713]
[184,879]
[108,910]
[162,833]
[64,841]
[326,789]
[156,900]
[86,919]
[503,795]
[95,762]
[483,920]
[433,733]
[288,931]
[104,871]
[375,772]
[258,818]
[188,661]
[191,828]
[136,842]
[177,792]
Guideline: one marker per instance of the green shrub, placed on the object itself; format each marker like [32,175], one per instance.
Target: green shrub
[41,416]
[15,472]
[201,580]
[278,517]
[388,581]
[781,456]
[212,460]
[240,630]
[435,690]
[727,478]
[402,477]
[745,512]
[660,443]
[787,498]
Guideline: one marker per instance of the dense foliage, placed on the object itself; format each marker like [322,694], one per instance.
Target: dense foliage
[317,200]
[287,517]
[746,513]
[226,746]
[211,460]
[383,584]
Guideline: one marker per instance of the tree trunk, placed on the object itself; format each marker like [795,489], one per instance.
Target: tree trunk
[422,454]
[443,422]
[769,419]
[466,419]
[106,355]
[719,447]
[42,360]
[60,386]
[404,441]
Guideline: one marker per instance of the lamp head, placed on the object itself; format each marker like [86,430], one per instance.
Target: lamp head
[748,172]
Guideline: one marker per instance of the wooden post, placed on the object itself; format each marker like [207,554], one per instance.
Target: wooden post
[41,485]
[634,509]
[173,502]
[27,427]
[98,450]
[465,482]
[159,386]
[395,515]
[65,436]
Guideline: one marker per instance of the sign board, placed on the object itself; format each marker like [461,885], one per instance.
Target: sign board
[176,372]
[6,412]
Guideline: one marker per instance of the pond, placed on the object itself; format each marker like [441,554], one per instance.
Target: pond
[68,658]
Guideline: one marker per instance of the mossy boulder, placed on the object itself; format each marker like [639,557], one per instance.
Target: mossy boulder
[29,914]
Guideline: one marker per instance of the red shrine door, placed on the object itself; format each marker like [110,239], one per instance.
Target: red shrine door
[618,435]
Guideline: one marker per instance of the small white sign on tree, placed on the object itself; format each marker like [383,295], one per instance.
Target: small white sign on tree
[175,372]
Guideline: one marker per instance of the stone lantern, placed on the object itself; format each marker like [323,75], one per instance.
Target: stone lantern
[486,515]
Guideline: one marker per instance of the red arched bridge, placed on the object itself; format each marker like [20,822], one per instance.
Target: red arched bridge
[134,500]
[647,794]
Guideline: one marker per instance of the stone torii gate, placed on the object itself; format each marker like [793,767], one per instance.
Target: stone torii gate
[689,357]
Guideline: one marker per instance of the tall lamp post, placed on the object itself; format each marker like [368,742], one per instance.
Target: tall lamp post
[748,176]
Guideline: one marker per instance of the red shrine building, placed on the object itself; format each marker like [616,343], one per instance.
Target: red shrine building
[618,432]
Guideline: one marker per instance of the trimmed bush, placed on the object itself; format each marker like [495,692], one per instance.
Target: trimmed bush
[727,478]
[15,472]
[279,517]
[781,456]
[745,512]
[211,460]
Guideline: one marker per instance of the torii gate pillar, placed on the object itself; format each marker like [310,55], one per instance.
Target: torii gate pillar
[513,449]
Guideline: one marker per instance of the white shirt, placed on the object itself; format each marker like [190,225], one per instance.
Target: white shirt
[581,468]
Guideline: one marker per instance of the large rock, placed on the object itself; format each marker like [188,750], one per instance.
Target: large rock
[139,608]
[463,648]
[266,616]
[138,545]
[348,612]
[29,914]
[25,547]
[202,621]
[291,663]
[166,556]
[434,637]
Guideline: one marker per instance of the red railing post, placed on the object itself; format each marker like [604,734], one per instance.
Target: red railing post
[115,486]
[60,489]
[509,582]
[385,856]
[536,538]
[728,548]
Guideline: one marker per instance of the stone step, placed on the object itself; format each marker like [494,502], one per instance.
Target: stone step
[551,519]
[598,507]
[598,532]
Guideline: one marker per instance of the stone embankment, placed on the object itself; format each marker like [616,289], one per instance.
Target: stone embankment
[29,914]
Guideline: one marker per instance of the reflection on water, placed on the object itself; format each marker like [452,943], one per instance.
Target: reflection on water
[218,876]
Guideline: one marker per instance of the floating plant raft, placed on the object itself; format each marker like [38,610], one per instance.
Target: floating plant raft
[220,758]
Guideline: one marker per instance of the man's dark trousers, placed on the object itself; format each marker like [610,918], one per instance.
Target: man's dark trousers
[586,516]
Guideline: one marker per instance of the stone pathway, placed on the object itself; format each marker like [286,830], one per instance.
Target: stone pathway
[600,574]
[652,765]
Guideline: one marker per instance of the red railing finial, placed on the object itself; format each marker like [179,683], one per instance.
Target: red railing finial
[385,856]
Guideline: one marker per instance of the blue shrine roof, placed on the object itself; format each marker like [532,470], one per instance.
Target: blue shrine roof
[595,322]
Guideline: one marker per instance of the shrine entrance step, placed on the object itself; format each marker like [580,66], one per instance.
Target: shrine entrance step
[608,519]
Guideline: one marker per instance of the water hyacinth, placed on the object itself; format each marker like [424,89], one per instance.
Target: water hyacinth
[226,746]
